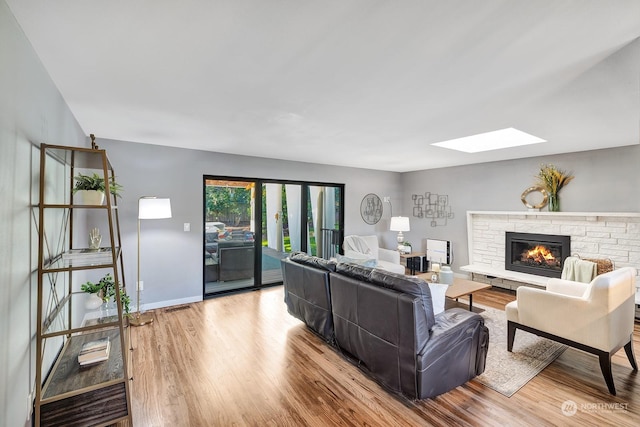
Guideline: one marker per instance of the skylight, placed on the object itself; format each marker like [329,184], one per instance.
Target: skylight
[504,138]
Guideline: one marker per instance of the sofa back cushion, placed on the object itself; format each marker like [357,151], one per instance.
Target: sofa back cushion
[382,328]
[307,296]
[357,271]
[313,261]
[414,286]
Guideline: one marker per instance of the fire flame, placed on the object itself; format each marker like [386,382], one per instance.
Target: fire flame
[540,254]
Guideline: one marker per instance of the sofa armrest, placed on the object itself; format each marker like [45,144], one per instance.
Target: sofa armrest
[549,311]
[455,353]
[389,255]
[448,326]
[567,287]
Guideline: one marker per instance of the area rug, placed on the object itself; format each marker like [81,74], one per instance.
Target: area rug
[507,372]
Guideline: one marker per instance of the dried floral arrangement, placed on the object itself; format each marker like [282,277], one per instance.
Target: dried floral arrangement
[552,178]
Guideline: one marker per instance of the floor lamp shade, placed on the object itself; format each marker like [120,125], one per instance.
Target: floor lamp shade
[148,208]
[154,208]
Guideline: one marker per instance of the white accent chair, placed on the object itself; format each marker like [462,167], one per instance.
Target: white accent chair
[595,317]
[366,248]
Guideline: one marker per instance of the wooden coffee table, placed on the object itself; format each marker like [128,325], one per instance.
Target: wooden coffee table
[460,288]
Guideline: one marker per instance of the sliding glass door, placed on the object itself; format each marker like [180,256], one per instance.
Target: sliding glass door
[324,220]
[229,235]
[280,227]
[244,244]
[299,217]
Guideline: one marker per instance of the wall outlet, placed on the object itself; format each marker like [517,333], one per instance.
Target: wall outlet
[386,199]
[141,285]
[187,226]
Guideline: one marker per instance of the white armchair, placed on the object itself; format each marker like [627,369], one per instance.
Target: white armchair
[366,247]
[595,317]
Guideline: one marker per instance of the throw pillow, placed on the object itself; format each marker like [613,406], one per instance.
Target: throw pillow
[358,260]
[438,291]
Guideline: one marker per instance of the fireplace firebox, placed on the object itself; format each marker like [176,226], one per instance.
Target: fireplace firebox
[539,254]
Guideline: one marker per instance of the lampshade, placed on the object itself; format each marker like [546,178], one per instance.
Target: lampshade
[154,208]
[399,223]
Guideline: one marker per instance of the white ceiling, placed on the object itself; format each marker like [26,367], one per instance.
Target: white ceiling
[347,82]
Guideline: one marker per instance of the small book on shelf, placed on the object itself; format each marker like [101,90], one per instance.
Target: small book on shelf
[94,351]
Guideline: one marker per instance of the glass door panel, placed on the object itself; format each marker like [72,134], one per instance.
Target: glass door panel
[284,216]
[324,220]
[281,227]
[229,242]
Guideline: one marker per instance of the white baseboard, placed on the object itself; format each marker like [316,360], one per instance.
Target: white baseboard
[169,303]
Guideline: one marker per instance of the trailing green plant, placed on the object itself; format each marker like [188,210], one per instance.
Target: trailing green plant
[91,288]
[106,287]
[96,182]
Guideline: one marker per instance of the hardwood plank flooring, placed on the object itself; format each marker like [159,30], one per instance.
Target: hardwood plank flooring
[242,360]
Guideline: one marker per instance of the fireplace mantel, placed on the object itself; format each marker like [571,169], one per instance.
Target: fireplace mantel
[558,214]
[612,235]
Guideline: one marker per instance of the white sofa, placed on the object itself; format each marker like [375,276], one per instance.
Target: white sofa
[363,249]
[595,317]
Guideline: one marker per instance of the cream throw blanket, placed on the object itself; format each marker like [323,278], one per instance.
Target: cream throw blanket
[356,244]
[579,270]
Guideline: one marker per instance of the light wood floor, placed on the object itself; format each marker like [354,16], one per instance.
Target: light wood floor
[243,360]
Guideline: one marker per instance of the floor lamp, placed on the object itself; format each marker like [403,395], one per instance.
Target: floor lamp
[148,208]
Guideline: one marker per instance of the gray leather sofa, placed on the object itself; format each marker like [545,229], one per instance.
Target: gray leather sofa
[306,284]
[383,322]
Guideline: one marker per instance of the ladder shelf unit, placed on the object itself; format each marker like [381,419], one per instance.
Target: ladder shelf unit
[67,393]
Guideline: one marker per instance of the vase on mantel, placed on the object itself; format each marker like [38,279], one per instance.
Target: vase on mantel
[554,202]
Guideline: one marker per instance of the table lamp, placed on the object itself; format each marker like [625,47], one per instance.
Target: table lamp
[399,224]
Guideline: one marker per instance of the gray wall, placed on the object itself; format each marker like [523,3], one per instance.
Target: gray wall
[171,259]
[32,111]
[605,181]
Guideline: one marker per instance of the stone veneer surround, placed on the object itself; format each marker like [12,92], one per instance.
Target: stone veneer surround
[611,235]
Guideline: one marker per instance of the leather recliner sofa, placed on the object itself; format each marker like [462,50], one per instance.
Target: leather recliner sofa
[306,292]
[384,323]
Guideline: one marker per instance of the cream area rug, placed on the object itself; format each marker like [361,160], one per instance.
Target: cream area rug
[507,372]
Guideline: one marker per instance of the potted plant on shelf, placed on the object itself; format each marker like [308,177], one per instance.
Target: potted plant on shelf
[95,296]
[406,247]
[91,188]
[105,289]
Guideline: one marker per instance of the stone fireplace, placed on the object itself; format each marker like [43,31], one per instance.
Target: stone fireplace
[608,235]
[533,253]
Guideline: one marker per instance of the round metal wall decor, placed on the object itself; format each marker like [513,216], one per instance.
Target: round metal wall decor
[535,189]
[371,209]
